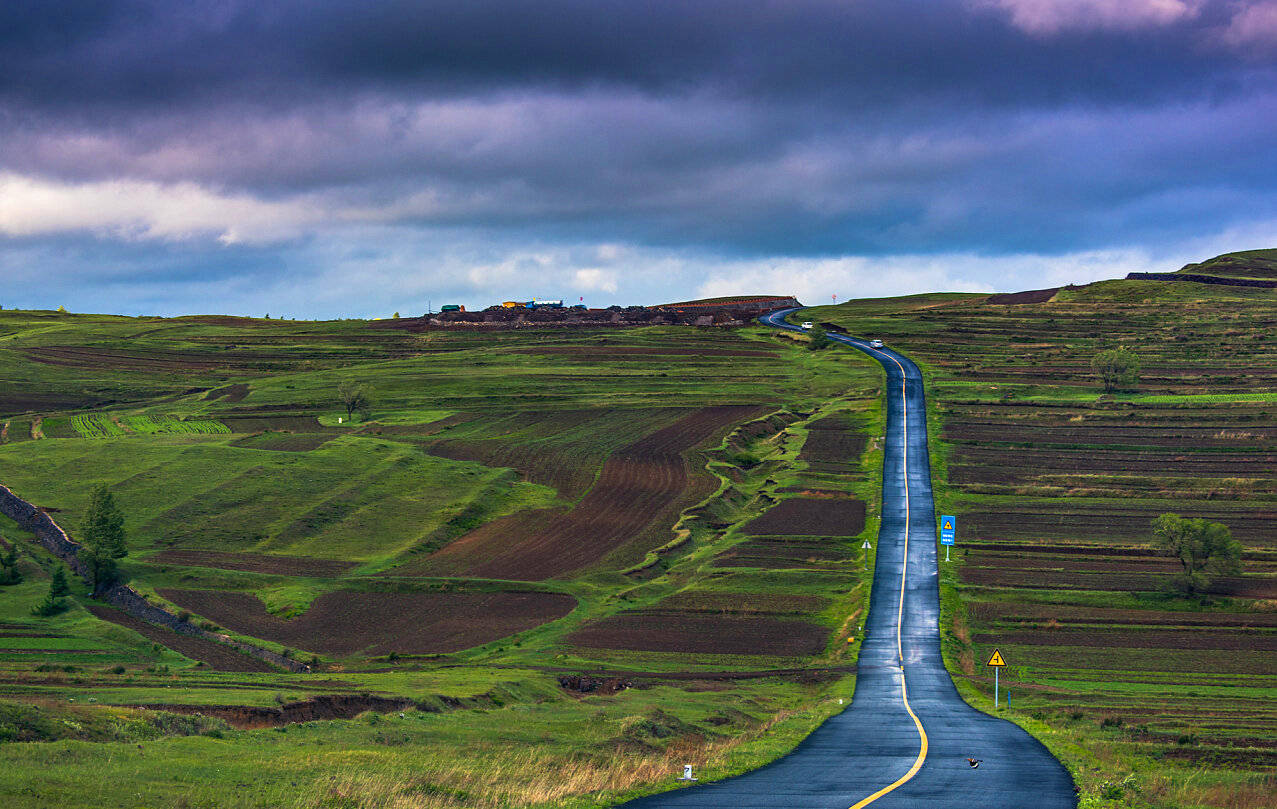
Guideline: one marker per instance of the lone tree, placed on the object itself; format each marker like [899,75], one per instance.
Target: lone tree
[356,397]
[1117,367]
[1203,549]
[103,535]
[819,339]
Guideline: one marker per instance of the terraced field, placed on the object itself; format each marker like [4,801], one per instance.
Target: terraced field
[1056,485]
[524,524]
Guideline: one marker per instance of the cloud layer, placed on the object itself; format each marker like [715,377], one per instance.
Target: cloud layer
[621,150]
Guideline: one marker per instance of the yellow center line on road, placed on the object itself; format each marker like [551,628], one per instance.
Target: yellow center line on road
[900,612]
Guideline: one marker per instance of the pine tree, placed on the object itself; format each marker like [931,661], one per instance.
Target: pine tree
[58,586]
[103,569]
[103,527]
[103,536]
[53,603]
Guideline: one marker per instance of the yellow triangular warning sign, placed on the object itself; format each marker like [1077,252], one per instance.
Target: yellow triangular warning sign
[948,526]
[996,660]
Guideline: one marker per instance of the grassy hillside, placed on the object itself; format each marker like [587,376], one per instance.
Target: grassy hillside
[1152,699]
[1243,264]
[544,540]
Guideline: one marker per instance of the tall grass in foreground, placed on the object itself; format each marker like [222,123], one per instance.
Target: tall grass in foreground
[497,777]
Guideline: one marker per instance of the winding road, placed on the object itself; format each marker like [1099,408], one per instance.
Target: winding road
[905,740]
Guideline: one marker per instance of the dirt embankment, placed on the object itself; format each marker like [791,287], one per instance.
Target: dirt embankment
[325,706]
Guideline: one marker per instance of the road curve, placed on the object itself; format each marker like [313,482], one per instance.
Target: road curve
[905,740]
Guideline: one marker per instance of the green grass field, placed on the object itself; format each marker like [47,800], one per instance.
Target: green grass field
[240,473]
[704,637]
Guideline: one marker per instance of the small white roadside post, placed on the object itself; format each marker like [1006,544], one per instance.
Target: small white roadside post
[866,546]
[687,773]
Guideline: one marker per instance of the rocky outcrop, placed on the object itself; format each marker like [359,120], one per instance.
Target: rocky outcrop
[49,533]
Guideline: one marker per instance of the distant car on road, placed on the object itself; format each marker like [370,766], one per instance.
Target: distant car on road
[875,344]
[807,324]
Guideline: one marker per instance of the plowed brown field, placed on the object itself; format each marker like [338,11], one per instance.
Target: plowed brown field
[346,622]
[782,554]
[801,516]
[608,353]
[639,485]
[154,359]
[222,658]
[691,633]
[1182,435]
[569,466]
[742,602]
[833,444]
[1228,638]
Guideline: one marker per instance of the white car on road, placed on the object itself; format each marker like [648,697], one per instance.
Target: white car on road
[807,324]
[875,344]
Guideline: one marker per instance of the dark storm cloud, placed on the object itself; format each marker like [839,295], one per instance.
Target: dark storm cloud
[232,132]
[864,52]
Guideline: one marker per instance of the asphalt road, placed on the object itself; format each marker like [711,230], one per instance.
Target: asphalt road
[905,739]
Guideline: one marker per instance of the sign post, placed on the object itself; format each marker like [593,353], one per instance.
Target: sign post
[948,531]
[866,546]
[996,662]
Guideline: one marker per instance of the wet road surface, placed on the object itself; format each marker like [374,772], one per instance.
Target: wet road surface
[875,752]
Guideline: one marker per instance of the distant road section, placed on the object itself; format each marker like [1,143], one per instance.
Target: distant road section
[906,738]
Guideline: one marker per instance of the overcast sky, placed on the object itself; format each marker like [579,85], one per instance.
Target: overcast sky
[326,159]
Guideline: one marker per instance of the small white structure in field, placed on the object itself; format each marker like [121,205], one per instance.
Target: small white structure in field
[687,773]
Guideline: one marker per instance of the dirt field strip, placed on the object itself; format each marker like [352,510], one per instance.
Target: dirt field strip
[346,622]
[801,516]
[637,483]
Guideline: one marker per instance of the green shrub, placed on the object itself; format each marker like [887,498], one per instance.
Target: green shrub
[49,606]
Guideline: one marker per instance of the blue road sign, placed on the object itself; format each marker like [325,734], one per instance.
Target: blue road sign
[948,529]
